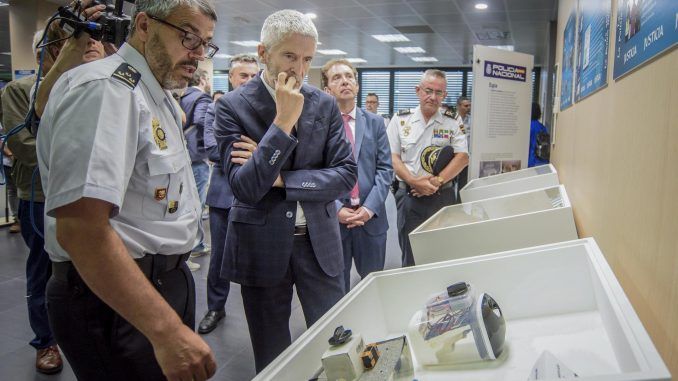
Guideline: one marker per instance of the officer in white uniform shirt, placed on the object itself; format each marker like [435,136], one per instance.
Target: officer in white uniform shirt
[123,205]
[420,194]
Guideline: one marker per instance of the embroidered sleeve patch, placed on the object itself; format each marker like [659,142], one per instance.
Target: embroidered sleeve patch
[128,75]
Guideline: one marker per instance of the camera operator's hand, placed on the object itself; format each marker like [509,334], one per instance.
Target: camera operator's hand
[74,52]
[288,102]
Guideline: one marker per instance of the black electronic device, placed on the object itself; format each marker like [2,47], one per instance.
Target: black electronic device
[112,26]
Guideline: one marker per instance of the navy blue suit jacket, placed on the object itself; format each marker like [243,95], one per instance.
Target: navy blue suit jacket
[219,193]
[375,171]
[317,167]
[194,102]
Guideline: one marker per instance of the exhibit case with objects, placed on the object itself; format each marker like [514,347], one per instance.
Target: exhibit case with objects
[556,305]
[523,180]
[496,224]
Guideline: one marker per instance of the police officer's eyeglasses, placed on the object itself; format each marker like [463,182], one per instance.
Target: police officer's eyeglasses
[191,41]
[429,92]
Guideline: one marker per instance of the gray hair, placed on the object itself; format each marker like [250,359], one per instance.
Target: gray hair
[281,24]
[163,8]
[36,41]
[433,73]
[243,57]
[197,76]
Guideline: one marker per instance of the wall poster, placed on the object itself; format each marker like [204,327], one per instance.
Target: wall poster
[568,64]
[645,29]
[593,45]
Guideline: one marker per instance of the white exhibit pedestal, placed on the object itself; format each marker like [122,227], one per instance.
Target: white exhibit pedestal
[497,224]
[562,298]
[524,180]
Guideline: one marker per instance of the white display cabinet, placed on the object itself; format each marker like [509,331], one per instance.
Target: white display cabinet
[496,224]
[527,179]
[562,298]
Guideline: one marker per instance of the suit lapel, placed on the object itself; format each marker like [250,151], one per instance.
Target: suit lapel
[256,94]
[304,127]
[360,125]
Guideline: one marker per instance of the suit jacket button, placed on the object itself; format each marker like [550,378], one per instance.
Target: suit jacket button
[289,214]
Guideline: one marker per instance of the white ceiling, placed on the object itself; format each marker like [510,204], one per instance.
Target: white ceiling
[454,26]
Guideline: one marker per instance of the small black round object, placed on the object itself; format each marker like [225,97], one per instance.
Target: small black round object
[340,336]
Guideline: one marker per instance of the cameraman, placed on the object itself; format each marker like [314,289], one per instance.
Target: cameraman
[122,204]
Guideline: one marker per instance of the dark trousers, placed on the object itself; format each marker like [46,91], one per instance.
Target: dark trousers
[38,271]
[217,287]
[99,344]
[367,251]
[462,180]
[268,309]
[413,211]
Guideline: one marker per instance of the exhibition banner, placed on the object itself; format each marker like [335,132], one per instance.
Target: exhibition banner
[593,45]
[567,68]
[645,29]
[502,103]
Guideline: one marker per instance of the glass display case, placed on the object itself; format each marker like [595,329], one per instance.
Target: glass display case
[496,224]
[527,179]
[561,298]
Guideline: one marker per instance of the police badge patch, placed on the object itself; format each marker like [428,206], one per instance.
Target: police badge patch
[159,134]
[173,206]
[160,194]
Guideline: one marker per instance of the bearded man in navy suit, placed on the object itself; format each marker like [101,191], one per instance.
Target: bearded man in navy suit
[362,213]
[283,228]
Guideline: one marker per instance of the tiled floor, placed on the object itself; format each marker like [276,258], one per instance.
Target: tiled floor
[230,341]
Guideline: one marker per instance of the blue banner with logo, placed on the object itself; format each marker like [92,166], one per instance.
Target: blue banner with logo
[593,44]
[18,74]
[645,29]
[567,70]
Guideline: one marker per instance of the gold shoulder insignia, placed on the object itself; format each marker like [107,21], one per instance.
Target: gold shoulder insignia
[128,75]
[449,114]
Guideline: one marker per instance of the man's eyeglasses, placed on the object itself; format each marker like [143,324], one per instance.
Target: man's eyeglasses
[429,92]
[191,41]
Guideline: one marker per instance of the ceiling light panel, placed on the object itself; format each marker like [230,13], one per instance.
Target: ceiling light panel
[424,59]
[390,37]
[246,43]
[409,49]
[331,52]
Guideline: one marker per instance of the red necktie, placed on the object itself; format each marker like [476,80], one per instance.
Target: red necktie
[355,194]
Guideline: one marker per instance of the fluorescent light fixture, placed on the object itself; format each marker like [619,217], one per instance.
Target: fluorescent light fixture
[424,59]
[4,3]
[7,53]
[318,43]
[409,49]
[311,15]
[391,37]
[331,52]
[503,47]
[222,55]
[356,60]
[246,43]
[481,6]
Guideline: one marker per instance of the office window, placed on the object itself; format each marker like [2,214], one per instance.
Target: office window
[455,83]
[469,84]
[404,83]
[220,82]
[377,82]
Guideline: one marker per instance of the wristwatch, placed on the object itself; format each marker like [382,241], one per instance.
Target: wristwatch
[440,179]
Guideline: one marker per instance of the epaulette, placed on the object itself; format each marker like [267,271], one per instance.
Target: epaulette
[449,113]
[406,111]
[127,74]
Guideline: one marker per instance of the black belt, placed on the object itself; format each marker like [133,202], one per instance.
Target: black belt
[162,263]
[300,230]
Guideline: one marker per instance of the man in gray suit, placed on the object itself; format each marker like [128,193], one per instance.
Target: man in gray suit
[283,229]
[362,214]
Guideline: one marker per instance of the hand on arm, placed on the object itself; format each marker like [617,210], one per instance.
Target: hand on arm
[69,57]
[99,255]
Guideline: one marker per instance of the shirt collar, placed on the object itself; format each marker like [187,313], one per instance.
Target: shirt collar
[352,113]
[132,56]
[436,117]
[269,88]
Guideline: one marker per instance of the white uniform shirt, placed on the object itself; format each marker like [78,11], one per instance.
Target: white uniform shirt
[110,132]
[408,135]
[300,218]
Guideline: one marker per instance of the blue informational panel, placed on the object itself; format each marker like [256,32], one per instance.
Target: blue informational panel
[567,71]
[593,44]
[18,74]
[645,28]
